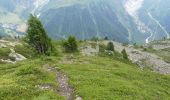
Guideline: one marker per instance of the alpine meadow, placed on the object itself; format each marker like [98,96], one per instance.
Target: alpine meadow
[84,50]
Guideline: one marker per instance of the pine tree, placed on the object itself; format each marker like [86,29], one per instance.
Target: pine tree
[125,56]
[37,36]
[71,44]
[110,46]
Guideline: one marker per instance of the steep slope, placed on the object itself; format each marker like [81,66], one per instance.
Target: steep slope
[13,15]
[147,14]
[93,18]
[133,21]
[126,21]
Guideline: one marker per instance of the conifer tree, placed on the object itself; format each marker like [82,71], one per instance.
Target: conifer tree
[110,46]
[124,53]
[37,36]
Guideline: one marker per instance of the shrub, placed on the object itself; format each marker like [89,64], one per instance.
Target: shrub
[71,45]
[125,56]
[110,46]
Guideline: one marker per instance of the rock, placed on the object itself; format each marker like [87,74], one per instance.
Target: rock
[89,51]
[78,98]
[142,58]
[18,57]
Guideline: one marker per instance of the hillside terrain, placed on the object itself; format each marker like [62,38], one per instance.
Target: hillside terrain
[154,55]
[127,21]
[160,48]
[69,75]
[84,50]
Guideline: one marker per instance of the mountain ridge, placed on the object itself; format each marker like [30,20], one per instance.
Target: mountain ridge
[132,21]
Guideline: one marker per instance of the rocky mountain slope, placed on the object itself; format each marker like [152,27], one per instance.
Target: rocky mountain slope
[134,21]
[154,55]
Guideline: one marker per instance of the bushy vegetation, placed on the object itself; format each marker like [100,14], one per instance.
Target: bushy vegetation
[37,36]
[71,45]
[110,46]
[125,56]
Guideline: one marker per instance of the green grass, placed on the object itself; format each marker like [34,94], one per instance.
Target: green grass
[101,77]
[25,50]
[19,81]
[4,52]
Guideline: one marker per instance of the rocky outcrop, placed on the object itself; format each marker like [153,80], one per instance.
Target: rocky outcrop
[18,57]
[13,56]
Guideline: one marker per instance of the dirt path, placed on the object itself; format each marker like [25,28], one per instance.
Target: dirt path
[64,88]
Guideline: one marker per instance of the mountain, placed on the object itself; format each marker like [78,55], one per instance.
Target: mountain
[133,21]
[13,15]
[152,18]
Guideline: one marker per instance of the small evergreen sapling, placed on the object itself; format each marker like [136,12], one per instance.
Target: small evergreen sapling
[71,45]
[110,46]
[124,53]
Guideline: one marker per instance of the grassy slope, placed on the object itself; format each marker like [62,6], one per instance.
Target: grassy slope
[102,78]
[4,52]
[19,81]
[93,78]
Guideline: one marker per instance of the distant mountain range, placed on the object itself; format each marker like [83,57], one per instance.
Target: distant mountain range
[133,21]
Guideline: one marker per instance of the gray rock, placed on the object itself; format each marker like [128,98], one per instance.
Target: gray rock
[18,57]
